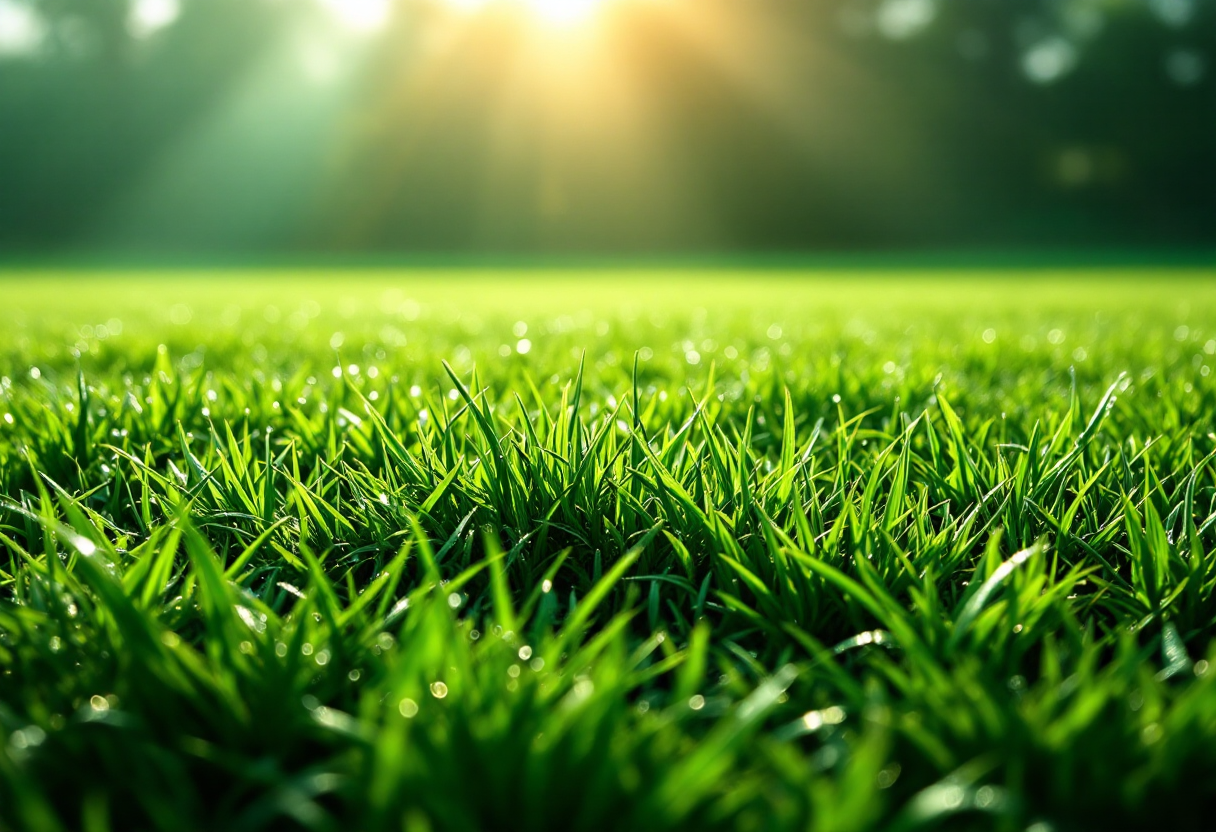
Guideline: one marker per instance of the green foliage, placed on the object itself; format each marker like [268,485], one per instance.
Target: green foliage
[834,555]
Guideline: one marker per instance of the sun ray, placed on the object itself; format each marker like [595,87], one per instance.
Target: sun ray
[564,12]
[558,13]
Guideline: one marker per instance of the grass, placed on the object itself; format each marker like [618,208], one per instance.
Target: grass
[462,551]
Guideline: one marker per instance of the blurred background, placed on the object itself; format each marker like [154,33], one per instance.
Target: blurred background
[364,128]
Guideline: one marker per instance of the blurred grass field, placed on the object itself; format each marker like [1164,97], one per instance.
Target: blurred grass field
[611,549]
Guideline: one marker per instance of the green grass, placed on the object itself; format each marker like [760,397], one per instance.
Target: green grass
[651,551]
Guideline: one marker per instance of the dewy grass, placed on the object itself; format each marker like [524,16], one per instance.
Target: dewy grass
[633,551]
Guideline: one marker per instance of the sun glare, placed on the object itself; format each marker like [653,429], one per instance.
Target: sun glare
[554,12]
[564,12]
[361,15]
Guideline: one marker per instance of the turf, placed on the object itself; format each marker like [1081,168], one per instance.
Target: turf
[616,550]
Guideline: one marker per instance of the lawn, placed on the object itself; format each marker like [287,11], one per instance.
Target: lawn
[629,550]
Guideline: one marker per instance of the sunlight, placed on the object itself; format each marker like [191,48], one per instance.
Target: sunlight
[564,12]
[150,16]
[360,15]
[552,12]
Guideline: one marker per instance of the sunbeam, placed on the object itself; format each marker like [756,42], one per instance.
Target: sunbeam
[556,13]
[564,12]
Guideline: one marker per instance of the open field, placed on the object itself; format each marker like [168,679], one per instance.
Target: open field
[651,551]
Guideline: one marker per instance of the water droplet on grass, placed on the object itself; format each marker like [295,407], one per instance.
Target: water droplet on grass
[28,737]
